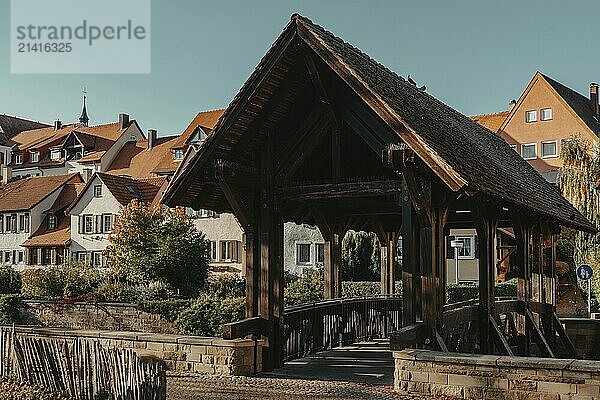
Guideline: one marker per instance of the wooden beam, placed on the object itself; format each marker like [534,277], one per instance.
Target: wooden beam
[340,190]
[410,260]
[362,130]
[242,211]
[499,338]
[257,326]
[564,337]
[408,336]
[440,342]
[540,339]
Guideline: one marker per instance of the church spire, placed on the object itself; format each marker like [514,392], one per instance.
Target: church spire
[84,119]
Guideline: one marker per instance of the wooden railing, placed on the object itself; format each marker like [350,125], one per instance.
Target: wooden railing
[314,327]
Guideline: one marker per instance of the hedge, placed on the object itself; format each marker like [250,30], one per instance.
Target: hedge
[9,309]
[467,291]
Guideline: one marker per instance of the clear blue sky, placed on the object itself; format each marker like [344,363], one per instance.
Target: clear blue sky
[473,55]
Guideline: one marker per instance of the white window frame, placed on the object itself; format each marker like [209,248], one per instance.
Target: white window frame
[535,150]
[531,112]
[51,222]
[5,259]
[97,191]
[20,257]
[107,219]
[34,156]
[82,256]
[96,259]
[213,254]
[297,248]
[317,246]
[84,228]
[18,159]
[555,149]
[542,114]
[53,154]
[178,154]
[461,238]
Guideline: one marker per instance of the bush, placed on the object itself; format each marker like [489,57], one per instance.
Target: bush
[169,309]
[68,280]
[227,285]
[306,289]
[10,280]
[468,291]
[117,292]
[207,314]
[9,309]
[365,289]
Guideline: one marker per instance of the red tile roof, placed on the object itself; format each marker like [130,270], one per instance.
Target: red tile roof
[491,121]
[136,161]
[126,189]
[24,194]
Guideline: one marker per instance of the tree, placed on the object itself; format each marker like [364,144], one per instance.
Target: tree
[578,180]
[360,257]
[158,244]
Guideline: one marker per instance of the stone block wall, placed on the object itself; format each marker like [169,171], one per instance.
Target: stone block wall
[585,334]
[104,316]
[198,354]
[472,376]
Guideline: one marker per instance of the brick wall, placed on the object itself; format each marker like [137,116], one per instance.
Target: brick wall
[205,355]
[585,334]
[105,316]
[472,376]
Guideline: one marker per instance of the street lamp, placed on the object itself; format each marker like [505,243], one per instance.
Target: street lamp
[456,245]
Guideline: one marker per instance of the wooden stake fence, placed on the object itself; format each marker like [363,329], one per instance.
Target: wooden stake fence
[81,368]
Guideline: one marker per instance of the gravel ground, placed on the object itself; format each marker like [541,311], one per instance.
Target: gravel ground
[188,387]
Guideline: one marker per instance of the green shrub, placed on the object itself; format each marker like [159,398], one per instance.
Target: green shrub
[9,309]
[169,309]
[468,291]
[10,280]
[117,292]
[306,289]
[207,314]
[69,280]
[156,290]
[365,289]
[227,285]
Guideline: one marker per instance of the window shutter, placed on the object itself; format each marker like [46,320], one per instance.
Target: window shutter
[98,223]
[476,246]
[1,223]
[449,248]
[80,230]
[14,222]
[26,223]
[240,251]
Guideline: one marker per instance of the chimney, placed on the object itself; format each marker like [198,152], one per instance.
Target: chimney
[123,120]
[151,138]
[511,104]
[594,98]
[57,124]
[6,174]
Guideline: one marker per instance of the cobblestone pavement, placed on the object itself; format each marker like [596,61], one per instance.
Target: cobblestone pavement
[361,372]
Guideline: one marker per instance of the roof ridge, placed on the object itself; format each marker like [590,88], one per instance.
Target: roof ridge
[489,114]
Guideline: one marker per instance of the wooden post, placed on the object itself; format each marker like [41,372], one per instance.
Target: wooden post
[383,255]
[486,224]
[251,266]
[332,265]
[523,236]
[388,262]
[410,260]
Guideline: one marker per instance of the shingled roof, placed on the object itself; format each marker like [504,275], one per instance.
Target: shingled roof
[26,193]
[462,153]
[491,121]
[11,126]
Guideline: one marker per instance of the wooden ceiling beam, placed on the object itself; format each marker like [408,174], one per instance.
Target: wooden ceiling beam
[340,190]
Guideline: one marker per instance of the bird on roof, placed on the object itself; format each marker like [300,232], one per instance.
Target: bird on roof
[411,81]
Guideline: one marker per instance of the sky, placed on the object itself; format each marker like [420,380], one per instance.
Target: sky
[474,55]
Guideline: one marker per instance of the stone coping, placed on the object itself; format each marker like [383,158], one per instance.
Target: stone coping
[133,336]
[498,361]
[66,302]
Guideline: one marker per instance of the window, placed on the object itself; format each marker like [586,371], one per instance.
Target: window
[320,250]
[18,158]
[26,223]
[178,154]
[35,156]
[82,256]
[8,224]
[7,257]
[59,256]
[549,149]
[467,252]
[51,222]
[529,151]
[88,224]
[46,256]
[22,223]
[229,250]
[531,116]
[20,256]
[55,154]
[302,253]
[546,114]
[106,223]
[212,250]
[206,214]
[33,256]
[98,191]
[97,258]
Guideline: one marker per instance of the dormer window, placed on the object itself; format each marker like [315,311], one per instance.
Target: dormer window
[55,154]
[178,154]
[35,156]
[51,222]
[18,158]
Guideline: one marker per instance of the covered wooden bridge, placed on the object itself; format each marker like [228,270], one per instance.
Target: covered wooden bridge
[322,134]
